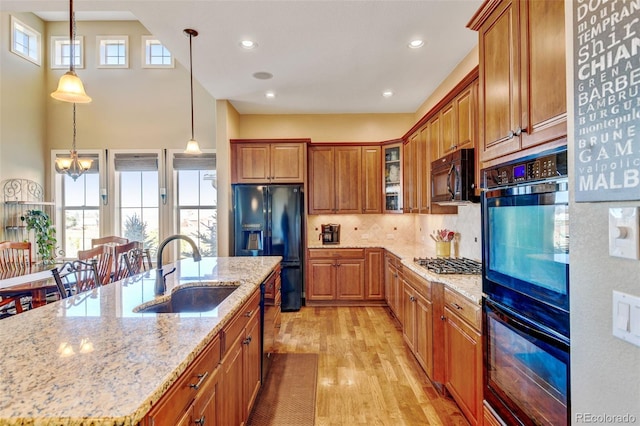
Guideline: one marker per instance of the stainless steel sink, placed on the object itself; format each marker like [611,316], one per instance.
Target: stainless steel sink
[190,299]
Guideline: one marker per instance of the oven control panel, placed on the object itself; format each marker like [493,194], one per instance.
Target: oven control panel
[532,169]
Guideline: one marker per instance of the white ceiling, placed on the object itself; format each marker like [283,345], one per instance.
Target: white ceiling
[326,56]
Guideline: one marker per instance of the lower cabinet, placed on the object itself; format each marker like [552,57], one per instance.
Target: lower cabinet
[393,284]
[194,396]
[417,315]
[241,360]
[463,354]
[272,311]
[335,275]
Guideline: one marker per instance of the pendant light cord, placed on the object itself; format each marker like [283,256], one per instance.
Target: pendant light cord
[72,37]
[74,127]
[191,77]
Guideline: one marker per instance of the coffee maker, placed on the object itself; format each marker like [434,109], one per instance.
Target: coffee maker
[330,233]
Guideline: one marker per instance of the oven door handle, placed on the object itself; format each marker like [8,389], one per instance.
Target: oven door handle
[511,318]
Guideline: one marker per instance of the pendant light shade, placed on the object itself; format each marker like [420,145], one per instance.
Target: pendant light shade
[192,145]
[70,87]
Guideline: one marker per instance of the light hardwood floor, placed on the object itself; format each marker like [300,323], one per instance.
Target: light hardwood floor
[366,374]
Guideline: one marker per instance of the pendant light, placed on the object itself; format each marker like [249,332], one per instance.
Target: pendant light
[72,165]
[70,87]
[192,145]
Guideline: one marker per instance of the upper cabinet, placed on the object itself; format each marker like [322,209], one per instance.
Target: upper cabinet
[522,92]
[345,179]
[268,162]
[393,178]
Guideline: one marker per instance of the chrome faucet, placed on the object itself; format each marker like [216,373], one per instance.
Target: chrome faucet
[161,286]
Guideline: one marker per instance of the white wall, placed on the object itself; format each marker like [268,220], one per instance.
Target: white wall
[605,371]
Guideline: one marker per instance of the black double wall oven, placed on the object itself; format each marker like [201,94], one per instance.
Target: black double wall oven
[525,249]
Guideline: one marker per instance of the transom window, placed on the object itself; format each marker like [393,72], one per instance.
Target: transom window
[155,54]
[61,52]
[113,51]
[25,41]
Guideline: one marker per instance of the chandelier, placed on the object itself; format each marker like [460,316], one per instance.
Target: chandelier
[72,165]
[70,87]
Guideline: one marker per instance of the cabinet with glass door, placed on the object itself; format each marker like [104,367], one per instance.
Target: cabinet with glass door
[393,178]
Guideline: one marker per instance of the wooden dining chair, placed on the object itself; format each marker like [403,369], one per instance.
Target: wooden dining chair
[76,277]
[14,256]
[111,239]
[104,261]
[120,253]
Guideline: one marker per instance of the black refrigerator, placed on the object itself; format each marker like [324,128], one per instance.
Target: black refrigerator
[268,221]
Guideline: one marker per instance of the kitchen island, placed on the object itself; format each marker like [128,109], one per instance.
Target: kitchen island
[90,359]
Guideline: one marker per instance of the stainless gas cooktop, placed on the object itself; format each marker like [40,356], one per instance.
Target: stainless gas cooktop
[450,265]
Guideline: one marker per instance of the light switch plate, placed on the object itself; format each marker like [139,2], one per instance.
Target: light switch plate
[626,317]
[623,232]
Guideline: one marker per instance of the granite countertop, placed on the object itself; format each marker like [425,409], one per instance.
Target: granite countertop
[90,359]
[469,286]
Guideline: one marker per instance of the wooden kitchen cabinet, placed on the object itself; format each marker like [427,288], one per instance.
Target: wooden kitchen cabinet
[268,162]
[410,174]
[335,275]
[335,179]
[241,360]
[458,122]
[194,393]
[418,319]
[371,179]
[463,354]
[393,284]
[522,57]
[374,276]
[272,310]
[393,158]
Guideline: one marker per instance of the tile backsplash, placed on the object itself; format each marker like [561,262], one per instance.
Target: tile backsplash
[378,229]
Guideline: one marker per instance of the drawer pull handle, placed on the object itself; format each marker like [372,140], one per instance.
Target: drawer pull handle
[455,305]
[202,378]
[246,341]
[200,421]
[248,313]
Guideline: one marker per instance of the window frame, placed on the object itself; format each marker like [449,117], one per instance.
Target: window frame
[56,45]
[99,48]
[32,34]
[145,64]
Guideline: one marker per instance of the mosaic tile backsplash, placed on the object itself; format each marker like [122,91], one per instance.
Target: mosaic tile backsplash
[378,229]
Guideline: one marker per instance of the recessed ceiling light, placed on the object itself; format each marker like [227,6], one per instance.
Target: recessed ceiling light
[416,44]
[387,93]
[248,44]
[270,94]
[262,75]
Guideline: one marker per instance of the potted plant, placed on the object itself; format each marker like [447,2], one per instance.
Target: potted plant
[40,223]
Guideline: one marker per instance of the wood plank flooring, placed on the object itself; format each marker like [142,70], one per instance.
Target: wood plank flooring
[366,373]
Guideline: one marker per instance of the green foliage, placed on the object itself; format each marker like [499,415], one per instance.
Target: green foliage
[45,233]
[136,230]
[208,238]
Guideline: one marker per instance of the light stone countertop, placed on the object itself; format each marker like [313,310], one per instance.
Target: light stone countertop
[470,286]
[90,360]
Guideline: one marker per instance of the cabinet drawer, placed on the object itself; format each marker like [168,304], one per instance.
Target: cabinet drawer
[236,326]
[336,253]
[419,284]
[462,306]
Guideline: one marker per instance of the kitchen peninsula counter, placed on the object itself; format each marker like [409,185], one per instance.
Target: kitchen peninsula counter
[91,360]
[469,286]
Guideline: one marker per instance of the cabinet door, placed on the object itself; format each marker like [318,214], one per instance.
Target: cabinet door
[349,279]
[543,86]
[252,163]
[252,358]
[393,178]
[371,179]
[348,179]
[374,277]
[499,82]
[463,364]
[410,173]
[434,138]
[206,409]
[466,106]
[448,140]
[321,180]
[287,162]
[423,344]
[321,279]
[232,365]
[424,170]
[408,315]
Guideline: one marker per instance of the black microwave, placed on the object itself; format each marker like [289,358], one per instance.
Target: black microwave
[452,179]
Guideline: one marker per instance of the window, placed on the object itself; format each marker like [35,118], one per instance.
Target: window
[113,51]
[137,189]
[25,41]
[79,221]
[154,54]
[196,195]
[61,52]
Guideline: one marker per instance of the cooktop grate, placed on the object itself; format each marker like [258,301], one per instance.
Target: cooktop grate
[450,265]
